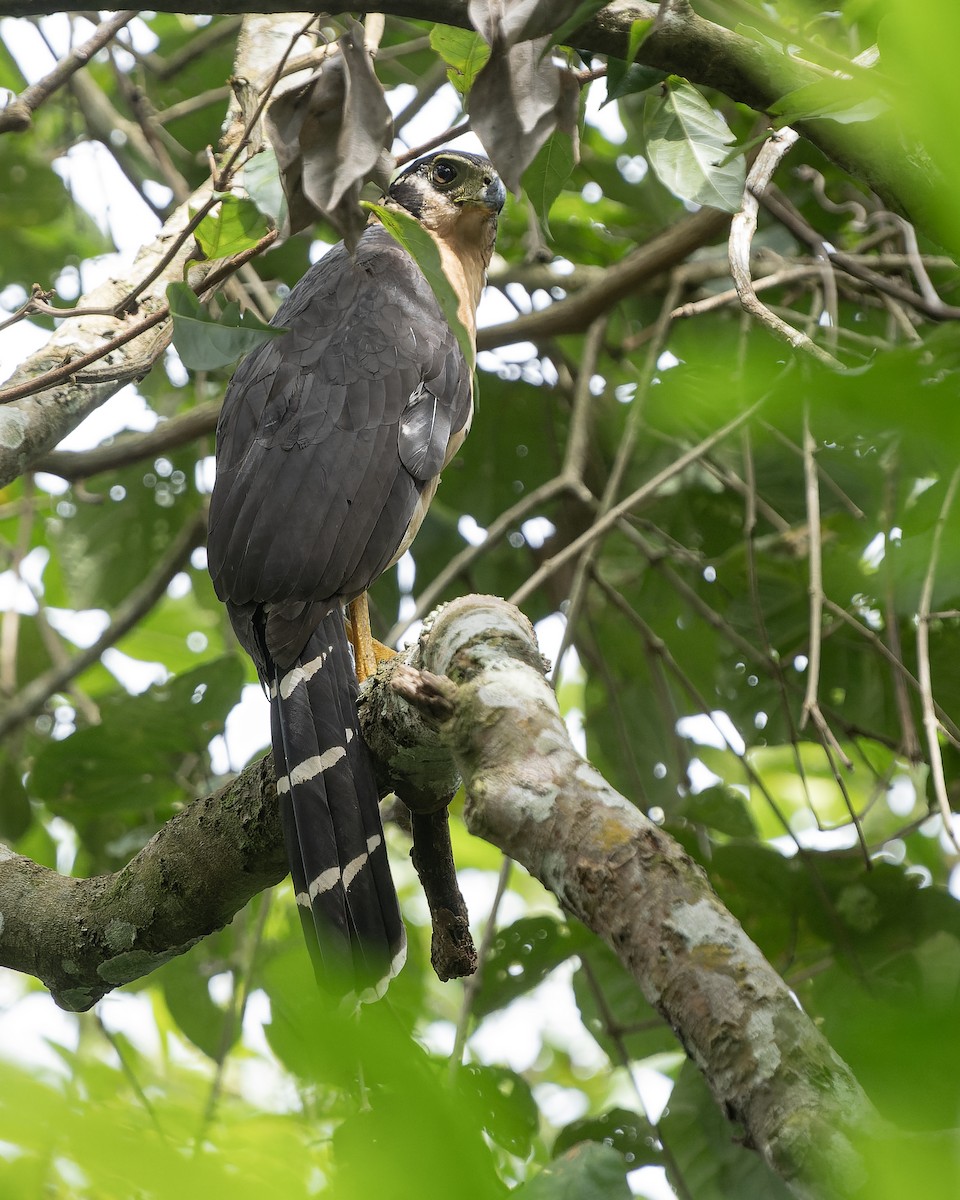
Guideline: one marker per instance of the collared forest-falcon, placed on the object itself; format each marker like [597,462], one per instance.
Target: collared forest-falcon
[329,450]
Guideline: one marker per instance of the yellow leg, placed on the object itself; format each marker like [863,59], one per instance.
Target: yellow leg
[368,652]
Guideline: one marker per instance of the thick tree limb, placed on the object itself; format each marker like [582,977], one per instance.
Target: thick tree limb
[530,793]
[84,937]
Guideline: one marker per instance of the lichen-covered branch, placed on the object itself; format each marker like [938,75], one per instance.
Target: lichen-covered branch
[88,359]
[529,792]
[476,685]
[84,937]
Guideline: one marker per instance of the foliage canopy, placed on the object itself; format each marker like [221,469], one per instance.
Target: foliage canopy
[756,555]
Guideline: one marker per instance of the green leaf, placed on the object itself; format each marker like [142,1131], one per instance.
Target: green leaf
[505,1104]
[261,178]
[711,1163]
[581,14]
[522,955]
[15,814]
[236,225]
[626,1131]
[639,29]
[130,762]
[628,78]
[102,551]
[546,176]
[719,808]
[463,50]
[187,996]
[829,99]
[205,344]
[606,992]
[587,1172]
[421,247]
[686,143]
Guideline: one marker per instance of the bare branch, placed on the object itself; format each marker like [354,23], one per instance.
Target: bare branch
[18,114]
[930,724]
[168,435]
[638,890]
[132,610]
[744,226]
[575,313]
[84,937]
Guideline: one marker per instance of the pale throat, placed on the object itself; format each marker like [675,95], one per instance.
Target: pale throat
[465,253]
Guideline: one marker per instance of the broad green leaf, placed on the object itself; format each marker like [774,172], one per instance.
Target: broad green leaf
[261,178]
[463,50]
[15,815]
[130,762]
[586,1172]
[187,997]
[205,344]
[626,1131]
[544,179]
[508,1110]
[719,808]
[686,143]
[711,1162]
[522,955]
[639,30]
[421,247]
[236,225]
[101,551]
[626,79]
[606,992]
[829,99]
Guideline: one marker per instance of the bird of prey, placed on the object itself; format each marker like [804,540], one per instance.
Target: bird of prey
[330,446]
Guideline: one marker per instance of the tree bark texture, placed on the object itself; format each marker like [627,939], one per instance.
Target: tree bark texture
[84,937]
[530,792]
[477,686]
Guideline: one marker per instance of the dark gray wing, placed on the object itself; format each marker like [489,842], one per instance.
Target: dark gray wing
[330,432]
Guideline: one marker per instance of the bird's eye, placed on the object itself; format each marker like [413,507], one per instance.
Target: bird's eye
[444,173]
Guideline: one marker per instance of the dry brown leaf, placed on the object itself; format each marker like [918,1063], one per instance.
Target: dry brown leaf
[331,134]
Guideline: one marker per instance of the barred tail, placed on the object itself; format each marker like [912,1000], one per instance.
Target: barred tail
[330,810]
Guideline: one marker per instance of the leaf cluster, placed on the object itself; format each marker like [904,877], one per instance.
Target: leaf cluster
[789,523]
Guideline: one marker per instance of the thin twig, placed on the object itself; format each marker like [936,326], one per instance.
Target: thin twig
[18,115]
[615,1031]
[474,982]
[40,383]
[742,229]
[140,601]
[454,131]
[469,554]
[592,346]
[930,723]
[644,493]
[10,621]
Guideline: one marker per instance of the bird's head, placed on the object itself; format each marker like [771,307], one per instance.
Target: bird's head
[448,189]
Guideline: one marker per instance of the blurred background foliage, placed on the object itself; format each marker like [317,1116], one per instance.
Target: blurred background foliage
[818,538]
